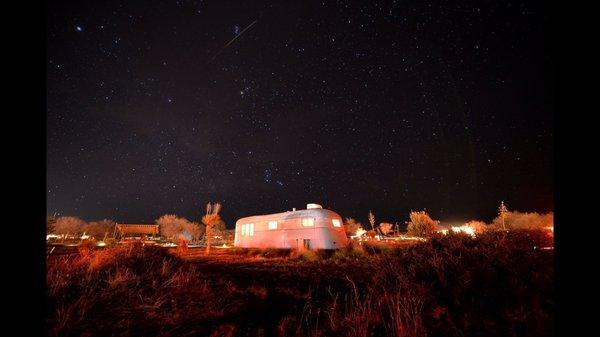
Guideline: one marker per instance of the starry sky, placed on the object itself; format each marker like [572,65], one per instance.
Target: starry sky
[157,107]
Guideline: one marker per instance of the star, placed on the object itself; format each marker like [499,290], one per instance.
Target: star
[357,107]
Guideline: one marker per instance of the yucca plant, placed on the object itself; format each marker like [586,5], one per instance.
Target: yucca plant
[210,219]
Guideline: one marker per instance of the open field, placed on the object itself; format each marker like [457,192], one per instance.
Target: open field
[498,284]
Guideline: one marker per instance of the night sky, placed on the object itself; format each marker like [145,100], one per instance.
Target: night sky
[157,107]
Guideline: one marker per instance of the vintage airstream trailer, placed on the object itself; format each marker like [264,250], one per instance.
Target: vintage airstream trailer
[311,228]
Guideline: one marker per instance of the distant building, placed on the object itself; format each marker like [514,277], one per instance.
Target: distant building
[311,228]
[124,230]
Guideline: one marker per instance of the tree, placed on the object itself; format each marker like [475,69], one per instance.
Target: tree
[385,228]
[210,220]
[99,229]
[351,226]
[372,220]
[69,225]
[421,224]
[174,227]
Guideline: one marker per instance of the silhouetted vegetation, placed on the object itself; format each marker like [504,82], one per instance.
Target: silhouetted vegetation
[421,224]
[99,229]
[69,225]
[211,220]
[175,228]
[351,226]
[496,284]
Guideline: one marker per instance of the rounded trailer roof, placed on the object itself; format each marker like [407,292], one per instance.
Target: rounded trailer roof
[303,213]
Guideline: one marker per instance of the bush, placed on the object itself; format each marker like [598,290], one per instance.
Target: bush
[374,247]
[275,252]
[421,224]
[495,284]
[515,220]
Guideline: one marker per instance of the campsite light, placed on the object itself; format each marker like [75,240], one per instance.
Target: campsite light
[358,234]
[463,229]
[412,238]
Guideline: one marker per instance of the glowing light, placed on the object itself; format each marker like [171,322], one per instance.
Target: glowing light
[308,222]
[412,238]
[360,232]
[464,229]
[459,229]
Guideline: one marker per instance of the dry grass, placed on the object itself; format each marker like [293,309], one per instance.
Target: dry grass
[494,285]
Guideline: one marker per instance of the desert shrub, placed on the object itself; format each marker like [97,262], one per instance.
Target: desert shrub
[356,251]
[494,284]
[254,252]
[182,246]
[374,247]
[99,284]
[237,251]
[421,224]
[353,251]
[262,252]
[514,220]
[339,254]
[308,255]
[351,226]
[275,252]
[478,226]
[385,228]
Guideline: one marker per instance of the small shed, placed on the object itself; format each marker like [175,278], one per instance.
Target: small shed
[311,228]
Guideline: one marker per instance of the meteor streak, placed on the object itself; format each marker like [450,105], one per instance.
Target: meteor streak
[230,42]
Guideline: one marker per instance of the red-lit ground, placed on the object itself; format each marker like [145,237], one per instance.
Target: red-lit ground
[494,285]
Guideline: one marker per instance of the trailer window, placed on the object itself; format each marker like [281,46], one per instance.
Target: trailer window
[308,222]
[272,224]
[336,223]
[248,229]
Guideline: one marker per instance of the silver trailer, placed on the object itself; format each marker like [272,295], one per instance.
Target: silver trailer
[311,228]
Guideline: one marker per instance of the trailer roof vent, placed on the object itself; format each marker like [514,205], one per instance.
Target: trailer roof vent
[313,206]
